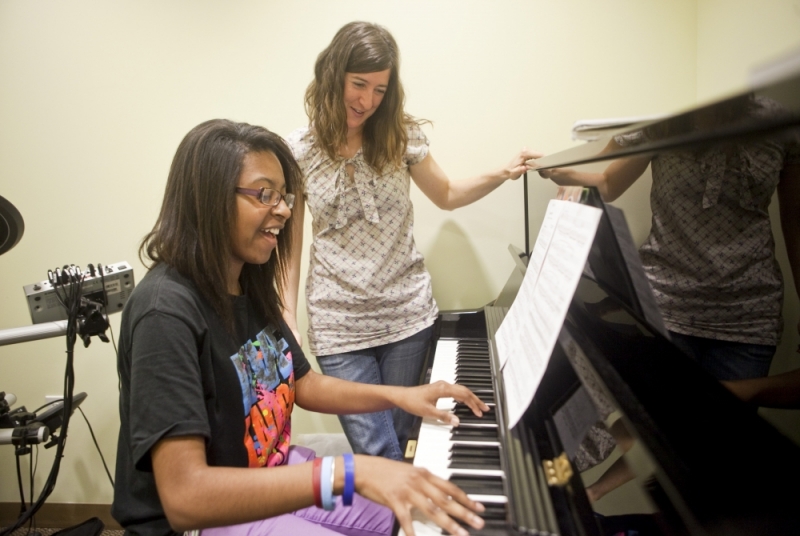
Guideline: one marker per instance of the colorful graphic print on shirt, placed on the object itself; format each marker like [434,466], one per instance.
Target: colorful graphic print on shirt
[266,376]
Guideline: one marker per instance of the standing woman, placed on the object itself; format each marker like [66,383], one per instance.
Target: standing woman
[370,304]
[210,373]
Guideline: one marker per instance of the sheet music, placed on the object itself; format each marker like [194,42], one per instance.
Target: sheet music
[528,334]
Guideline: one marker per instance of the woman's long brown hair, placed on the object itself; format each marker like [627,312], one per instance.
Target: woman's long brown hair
[359,47]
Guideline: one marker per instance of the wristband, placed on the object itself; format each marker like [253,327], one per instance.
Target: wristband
[333,482]
[349,479]
[315,482]
[326,486]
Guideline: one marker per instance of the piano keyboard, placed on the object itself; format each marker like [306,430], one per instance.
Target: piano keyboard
[500,468]
[469,455]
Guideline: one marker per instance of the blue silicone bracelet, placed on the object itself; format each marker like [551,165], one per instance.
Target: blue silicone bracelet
[349,479]
[326,483]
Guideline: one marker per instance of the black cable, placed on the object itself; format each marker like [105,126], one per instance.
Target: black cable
[40,408]
[108,323]
[97,447]
[22,504]
[35,467]
[31,522]
[72,291]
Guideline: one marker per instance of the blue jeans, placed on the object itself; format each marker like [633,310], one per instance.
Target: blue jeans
[727,360]
[383,433]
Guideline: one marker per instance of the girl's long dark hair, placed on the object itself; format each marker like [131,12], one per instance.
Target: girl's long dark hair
[194,229]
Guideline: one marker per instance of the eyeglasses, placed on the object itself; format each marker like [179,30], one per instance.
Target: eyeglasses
[268,196]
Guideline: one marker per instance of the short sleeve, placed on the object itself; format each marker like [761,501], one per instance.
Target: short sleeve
[301,142]
[417,148]
[166,389]
[299,361]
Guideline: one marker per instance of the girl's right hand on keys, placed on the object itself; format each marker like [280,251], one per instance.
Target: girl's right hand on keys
[402,487]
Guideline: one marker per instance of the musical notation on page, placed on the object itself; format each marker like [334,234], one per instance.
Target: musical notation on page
[528,334]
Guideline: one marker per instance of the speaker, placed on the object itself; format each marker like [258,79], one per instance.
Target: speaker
[11,225]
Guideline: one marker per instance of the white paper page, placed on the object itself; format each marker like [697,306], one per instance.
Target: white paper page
[528,334]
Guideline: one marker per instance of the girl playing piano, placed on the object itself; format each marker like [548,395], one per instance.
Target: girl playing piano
[210,373]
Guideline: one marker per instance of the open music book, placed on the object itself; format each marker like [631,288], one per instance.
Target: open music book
[529,331]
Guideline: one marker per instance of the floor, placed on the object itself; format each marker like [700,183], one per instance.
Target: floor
[24,531]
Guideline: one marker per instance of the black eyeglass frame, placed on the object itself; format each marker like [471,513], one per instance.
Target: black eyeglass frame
[259,194]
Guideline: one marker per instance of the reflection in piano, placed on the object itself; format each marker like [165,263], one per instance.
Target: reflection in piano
[703,462]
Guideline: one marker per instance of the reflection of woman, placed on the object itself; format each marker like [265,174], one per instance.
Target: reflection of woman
[370,303]
[710,255]
[210,373]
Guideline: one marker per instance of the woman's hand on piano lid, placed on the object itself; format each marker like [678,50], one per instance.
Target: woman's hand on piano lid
[421,401]
[403,487]
[522,162]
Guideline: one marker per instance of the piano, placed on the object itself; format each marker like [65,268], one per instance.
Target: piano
[703,462]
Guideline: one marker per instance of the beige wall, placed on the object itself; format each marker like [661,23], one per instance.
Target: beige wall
[95,96]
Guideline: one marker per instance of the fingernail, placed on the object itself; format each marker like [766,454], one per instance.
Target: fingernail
[462,532]
[480,507]
[454,420]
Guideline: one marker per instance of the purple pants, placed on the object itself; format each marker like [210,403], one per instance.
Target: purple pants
[364,518]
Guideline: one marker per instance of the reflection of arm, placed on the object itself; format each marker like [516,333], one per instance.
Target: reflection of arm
[611,183]
[619,472]
[789,202]
[290,290]
[778,391]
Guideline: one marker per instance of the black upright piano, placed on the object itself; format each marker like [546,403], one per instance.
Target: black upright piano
[704,463]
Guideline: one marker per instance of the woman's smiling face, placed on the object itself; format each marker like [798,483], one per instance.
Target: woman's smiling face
[363,93]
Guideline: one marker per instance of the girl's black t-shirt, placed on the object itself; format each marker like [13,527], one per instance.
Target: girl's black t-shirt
[183,374]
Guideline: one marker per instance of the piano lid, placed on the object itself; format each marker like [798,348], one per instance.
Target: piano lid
[769,109]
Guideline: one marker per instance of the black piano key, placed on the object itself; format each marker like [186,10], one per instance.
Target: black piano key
[472,458]
[475,450]
[470,366]
[478,357]
[494,518]
[473,355]
[494,511]
[495,521]
[464,410]
[473,361]
[472,419]
[475,385]
[479,484]
[478,367]
[485,397]
[476,464]
[473,434]
[472,373]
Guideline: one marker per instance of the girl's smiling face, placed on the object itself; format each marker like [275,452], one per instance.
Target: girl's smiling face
[257,225]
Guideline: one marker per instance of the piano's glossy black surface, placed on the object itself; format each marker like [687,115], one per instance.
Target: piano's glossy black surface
[704,462]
